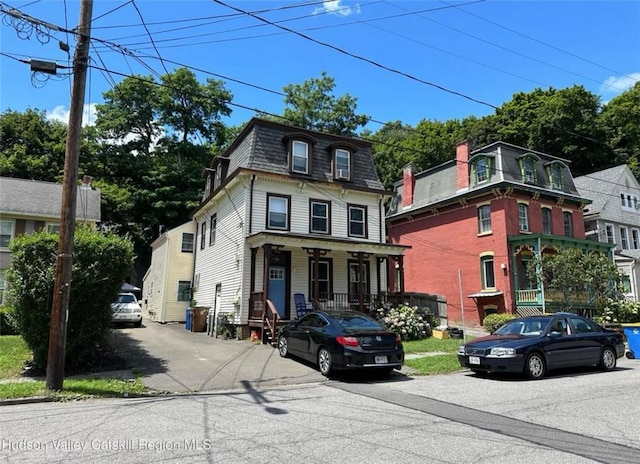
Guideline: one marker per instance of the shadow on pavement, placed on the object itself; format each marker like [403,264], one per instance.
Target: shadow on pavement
[136,357]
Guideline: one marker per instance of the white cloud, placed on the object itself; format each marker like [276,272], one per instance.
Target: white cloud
[61,113]
[335,7]
[618,84]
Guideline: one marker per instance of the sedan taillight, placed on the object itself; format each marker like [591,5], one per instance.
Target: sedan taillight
[398,340]
[347,341]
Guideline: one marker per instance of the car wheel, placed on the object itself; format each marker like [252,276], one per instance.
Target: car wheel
[138,324]
[324,362]
[607,360]
[480,373]
[283,346]
[535,367]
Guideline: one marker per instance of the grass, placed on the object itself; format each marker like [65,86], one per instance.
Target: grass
[431,344]
[14,354]
[431,363]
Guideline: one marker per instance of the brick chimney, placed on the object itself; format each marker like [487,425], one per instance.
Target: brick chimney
[409,180]
[462,165]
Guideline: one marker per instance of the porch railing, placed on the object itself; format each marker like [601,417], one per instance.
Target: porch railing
[554,298]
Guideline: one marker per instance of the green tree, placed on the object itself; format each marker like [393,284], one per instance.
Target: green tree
[620,120]
[312,105]
[100,264]
[31,147]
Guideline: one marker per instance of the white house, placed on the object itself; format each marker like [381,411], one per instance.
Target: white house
[289,210]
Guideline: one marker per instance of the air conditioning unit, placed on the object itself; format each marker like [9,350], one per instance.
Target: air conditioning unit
[343,174]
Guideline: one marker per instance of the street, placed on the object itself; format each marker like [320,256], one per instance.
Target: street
[585,416]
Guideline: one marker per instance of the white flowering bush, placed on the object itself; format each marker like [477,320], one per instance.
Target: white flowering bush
[405,320]
[616,311]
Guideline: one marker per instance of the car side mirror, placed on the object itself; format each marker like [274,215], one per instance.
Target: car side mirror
[555,334]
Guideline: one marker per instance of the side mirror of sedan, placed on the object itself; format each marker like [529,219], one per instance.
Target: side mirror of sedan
[555,334]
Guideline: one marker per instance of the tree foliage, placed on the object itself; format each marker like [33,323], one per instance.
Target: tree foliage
[100,264]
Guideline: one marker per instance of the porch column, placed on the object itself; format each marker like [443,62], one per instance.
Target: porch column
[379,261]
[361,281]
[316,269]
[254,253]
[400,259]
[265,275]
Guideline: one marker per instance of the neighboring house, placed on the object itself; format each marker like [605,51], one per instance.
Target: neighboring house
[475,222]
[28,206]
[614,217]
[167,284]
[288,210]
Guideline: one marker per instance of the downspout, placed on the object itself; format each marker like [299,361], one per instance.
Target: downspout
[253,179]
[195,256]
[164,281]
[383,239]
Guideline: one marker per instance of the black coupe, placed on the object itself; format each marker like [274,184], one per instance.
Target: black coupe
[534,345]
[340,340]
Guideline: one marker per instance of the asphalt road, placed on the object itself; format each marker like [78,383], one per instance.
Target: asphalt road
[582,417]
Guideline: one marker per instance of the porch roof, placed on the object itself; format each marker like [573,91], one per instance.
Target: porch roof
[485,294]
[325,242]
[560,241]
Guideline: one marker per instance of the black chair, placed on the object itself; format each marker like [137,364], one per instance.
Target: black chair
[302,307]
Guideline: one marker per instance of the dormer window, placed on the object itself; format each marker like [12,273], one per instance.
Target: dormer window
[481,169]
[555,171]
[343,164]
[528,168]
[300,157]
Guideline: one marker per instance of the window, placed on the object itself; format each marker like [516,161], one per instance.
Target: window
[547,227]
[635,238]
[567,218]
[343,164]
[624,240]
[481,169]
[300,157]
[609,232]
[625,281]
[278,212]
[484,219]
[357,221]
[555,175]
[53,228]
[6,232]
[526,282]
[319,216]
[488,275]
[184,290]
[203,234]
[528,167]
[629,202]
[354,280]
[212,231]
[187,243]
[523,217]
[622,198]
[325,278]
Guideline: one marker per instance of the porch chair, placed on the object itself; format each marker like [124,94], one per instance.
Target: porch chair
[302,307]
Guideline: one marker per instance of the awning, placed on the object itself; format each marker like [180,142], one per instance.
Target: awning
[484,294]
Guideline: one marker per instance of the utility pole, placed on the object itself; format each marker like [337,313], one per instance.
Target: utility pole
[62,285]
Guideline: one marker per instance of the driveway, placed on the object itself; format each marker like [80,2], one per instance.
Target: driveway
[173,359]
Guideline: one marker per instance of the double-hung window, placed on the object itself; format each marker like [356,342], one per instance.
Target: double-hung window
[624,240]
[523,217]
[484,219]
[635,238]
[608,228]
[212,229]
[278,212]
[343,164]
[319,220]
[567,218]
[481,169]
[187,242]
[547,226]
[300,157]
[6,232]
[357,221]
[184,290]
[488,273]
[203,234]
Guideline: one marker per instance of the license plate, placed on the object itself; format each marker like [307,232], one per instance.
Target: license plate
[474,360]
[381,360]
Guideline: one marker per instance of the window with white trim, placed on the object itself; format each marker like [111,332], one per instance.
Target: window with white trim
[319,220]
[343,164]
[203,234]
[608,229]
[488,273]
[624,239]
[6,232]
[277,212]
[300,157]
[484,219]
[635,238]
[187,242]
[212,229]
[357,221]
[523,217]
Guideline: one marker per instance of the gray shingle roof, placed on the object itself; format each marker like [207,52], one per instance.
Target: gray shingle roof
[598,186]
[23,197]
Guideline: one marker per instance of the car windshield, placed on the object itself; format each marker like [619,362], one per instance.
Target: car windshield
[528,327]
[126,299]
[358,322]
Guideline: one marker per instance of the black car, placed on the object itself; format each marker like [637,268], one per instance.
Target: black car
[534,345]
[340,340]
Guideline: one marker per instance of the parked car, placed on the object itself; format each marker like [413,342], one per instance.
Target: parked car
[535,345]
[341,340]
[127,310]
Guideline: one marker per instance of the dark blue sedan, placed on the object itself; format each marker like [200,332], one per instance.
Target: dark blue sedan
[341,340]
[537,344]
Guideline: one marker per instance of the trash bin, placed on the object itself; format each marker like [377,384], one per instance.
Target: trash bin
[187,318]
[199,319]
[632,332]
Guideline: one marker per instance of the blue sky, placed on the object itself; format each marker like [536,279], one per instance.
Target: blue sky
[402,60]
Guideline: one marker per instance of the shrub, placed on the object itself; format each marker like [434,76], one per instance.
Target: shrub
[494,321]
[7,321]
[619,311]
[100,264]
[404,320]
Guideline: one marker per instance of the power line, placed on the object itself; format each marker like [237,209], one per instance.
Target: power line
[149,34]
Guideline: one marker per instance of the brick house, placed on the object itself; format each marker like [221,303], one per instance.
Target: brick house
[475,222]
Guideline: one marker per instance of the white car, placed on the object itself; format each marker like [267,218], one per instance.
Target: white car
[127,310]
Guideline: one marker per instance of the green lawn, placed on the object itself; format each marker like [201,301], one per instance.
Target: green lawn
[13,356]
[431,344]
[432,363]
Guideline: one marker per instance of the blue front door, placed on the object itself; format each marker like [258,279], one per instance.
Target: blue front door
[278,288]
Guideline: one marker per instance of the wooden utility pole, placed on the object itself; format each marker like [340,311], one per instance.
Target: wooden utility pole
[62,285]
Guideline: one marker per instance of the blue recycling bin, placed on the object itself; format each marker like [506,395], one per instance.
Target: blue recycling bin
[187,318]
[632,332]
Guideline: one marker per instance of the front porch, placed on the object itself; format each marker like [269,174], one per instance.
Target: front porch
[529,296]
